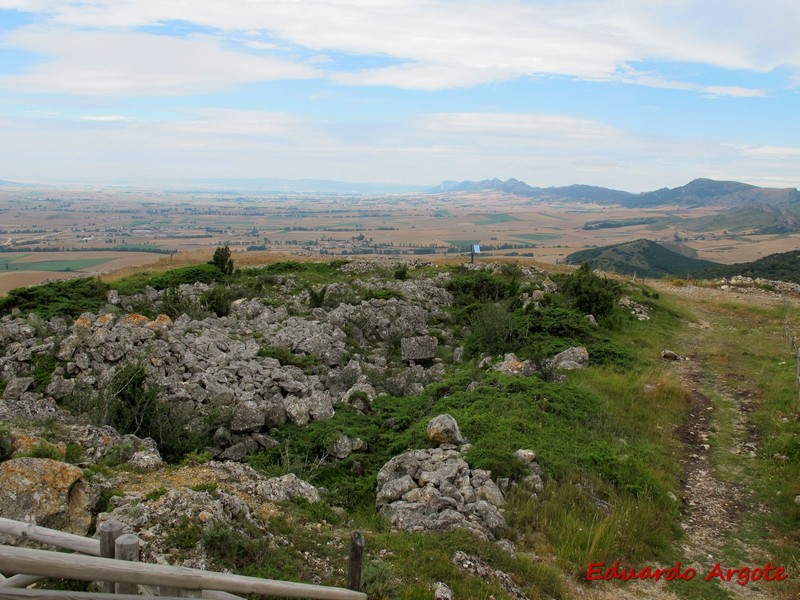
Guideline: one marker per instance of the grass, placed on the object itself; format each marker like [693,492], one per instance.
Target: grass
[54,265]
[535,237]
[496,218]
[604,439]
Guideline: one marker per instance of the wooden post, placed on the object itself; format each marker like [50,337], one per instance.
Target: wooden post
[126,547]
[355,560]
[109,532]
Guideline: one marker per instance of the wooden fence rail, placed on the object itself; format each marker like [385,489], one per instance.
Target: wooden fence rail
[89,568]
[109,560]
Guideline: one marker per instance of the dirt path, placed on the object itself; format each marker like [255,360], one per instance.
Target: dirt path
[714,506]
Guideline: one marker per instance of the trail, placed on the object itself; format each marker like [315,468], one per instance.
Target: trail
[715,503]
[717,498]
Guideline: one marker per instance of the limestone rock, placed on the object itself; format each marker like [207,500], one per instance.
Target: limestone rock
[576,357]
[344,446]
[47,492]
[443,429]
[442,591]
[434,490]
[418,348]
[278,489]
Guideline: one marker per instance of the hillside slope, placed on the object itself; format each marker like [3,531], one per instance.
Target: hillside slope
[784,266]
[642,257]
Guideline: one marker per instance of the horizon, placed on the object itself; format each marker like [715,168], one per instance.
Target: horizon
[601,93]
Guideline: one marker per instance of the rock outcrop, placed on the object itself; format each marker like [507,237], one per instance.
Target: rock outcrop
[48,493]
[435,490]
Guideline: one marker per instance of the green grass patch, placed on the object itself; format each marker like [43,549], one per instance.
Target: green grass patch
[535,237]
[55,265]
[494,219]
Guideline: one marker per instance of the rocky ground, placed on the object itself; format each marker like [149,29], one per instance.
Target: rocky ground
[358,348]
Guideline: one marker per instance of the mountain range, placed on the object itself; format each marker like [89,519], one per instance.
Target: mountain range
[699,192]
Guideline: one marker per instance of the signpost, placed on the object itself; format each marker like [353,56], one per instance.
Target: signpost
[476,249]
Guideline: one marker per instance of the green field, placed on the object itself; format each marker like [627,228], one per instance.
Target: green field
[463,243]
[495,219]
[51,265]
[535,237]
[11,257]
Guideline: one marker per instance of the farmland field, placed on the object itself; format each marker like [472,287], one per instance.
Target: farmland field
[44,232]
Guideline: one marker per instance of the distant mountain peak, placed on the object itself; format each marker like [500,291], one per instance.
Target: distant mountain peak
[698,192]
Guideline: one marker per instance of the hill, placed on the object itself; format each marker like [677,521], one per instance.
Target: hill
[784,266]
[642,257]
[439,410]
[700,192]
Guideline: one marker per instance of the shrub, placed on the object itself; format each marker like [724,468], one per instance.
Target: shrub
[45,451]
[59,298]
[218,300]
[222,260]
[132,406]
[307,362]
[591,294]
[42,367]
[401,272]
[174,304]
[317,298]
[6,447]
[493,331]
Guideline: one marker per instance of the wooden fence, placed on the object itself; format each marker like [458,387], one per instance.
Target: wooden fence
[113,561]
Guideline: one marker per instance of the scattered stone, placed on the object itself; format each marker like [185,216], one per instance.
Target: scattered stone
[279,489]
[344,446]
[576,357]
[475,566]
[442,591]
[669,355]
[418,348]
[435,490]
[443,429]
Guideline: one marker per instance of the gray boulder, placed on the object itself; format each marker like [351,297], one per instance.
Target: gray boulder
[435,490]
[443,429]
[576,357]
[421,347]
[47,492]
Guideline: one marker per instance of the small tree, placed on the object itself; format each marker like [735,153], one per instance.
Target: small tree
[222,259]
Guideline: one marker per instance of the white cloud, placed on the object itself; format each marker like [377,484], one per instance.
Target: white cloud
[105,118]
[443,43]
[541,149]
[97,63]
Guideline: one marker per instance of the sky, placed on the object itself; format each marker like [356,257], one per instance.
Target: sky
[628,94]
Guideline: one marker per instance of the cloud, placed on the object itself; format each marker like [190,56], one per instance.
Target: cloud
[105,118]
[542,149]
[441,44]
[100,63]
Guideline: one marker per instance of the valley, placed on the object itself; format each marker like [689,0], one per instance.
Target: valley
[54,233]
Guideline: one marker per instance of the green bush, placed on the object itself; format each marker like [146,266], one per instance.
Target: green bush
[481,286]
[136,284]
[133,406]
[6,447]
[222,259]
[306,362]
[494,330]
[58,298]
[174,304]
[590,294]
[44,451]
[42,367]
[218,300]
